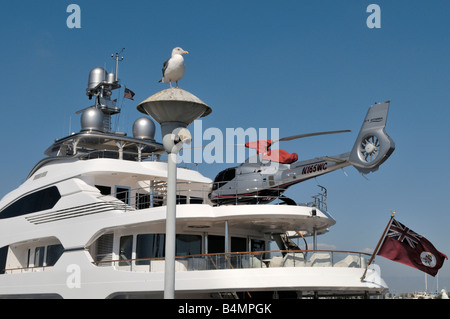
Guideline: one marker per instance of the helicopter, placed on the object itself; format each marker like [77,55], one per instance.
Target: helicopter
[264,177]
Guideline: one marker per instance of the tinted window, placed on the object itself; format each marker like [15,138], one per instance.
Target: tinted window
[3,255]
[125,249]
[28,258]
[122,194]
[258,245]
[196,200]
[142,201]
[189,245]
[53,254]
[35,202]
[223,177]
[153,245]
[104,190]
[39,256]
[181,199]
[216,244]
[230,174]
[238,244]
[149,246]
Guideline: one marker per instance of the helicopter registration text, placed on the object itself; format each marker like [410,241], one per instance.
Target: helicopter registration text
[314,168]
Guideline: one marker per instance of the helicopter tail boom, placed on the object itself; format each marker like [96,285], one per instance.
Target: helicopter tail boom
[373,145]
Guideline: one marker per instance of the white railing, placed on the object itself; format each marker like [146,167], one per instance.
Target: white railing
[26,269]
[245,260]
[187,193]
[234,260]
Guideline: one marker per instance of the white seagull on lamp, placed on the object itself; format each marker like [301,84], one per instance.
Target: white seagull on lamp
[173,68]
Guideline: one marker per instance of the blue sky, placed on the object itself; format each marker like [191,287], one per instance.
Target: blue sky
[300,66]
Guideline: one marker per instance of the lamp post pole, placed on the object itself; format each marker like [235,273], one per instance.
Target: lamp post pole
[169,271]
[172,141]
[174,109]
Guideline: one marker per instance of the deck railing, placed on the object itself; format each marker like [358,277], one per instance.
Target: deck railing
[187,193]
[233,260]
[245,260]
[25,270]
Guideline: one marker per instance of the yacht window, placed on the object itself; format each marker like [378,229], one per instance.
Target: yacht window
[257,245]
[238,244]
[196,200]
[104,190]
[29,258]
[153,246]
[53,254]
[3,255]
[39,256]
[216,244]
[189,245]
[125,249]
[149,246]
[142,201]
[123,194]
[35,202]
[181,199]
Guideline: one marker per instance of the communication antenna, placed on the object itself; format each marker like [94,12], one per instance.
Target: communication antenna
[100,85]
[116,57]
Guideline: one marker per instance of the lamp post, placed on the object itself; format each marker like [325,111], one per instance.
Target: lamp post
[174,109]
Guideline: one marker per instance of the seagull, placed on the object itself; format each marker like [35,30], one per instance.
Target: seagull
[173,68]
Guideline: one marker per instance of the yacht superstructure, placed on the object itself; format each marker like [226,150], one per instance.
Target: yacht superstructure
[89,222]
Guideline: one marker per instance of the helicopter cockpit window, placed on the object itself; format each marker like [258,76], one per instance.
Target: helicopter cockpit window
[229,174]
[224,177]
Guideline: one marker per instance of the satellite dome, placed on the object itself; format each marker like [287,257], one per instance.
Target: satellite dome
[96,76]
[144,128]
[92,120]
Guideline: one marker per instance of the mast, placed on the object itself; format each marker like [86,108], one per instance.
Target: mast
[100,86]
[117,63]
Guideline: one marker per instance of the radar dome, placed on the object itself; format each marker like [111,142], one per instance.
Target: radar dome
[96,76]
[144,128]
[92,120]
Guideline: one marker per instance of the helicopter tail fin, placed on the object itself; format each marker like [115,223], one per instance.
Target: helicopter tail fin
[373,145]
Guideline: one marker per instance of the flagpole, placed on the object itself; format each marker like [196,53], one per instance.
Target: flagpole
[378,245]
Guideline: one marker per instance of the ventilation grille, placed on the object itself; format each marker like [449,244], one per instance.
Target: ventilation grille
[104,249]
[78,211]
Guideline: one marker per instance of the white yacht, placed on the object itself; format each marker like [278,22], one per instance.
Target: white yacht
[89,222]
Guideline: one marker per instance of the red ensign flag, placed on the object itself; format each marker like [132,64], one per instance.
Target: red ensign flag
[403,245]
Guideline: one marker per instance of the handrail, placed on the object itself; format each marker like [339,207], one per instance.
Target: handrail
[211,256]
[236,253]
[184,190]
[25,268]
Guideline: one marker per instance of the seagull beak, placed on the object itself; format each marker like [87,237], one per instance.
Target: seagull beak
[185,52]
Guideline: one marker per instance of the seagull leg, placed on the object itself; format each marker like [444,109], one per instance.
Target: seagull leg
[177,83]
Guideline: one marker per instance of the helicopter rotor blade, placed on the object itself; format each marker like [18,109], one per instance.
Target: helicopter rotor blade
[290,138]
